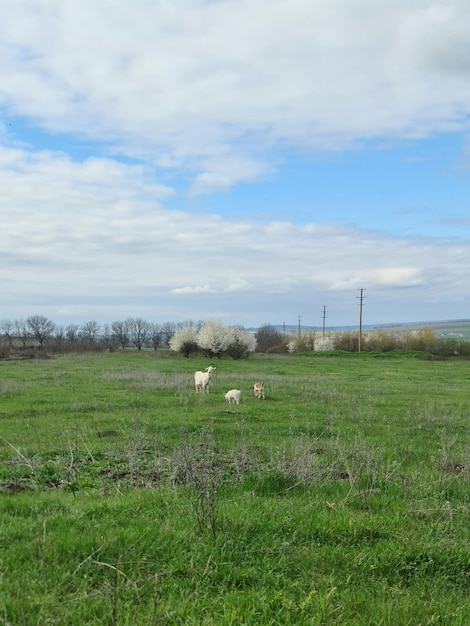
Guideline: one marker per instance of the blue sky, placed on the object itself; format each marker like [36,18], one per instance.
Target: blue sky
[249,161]
[360,188]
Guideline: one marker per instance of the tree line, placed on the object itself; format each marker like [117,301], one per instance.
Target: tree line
[211,338]
[39,331]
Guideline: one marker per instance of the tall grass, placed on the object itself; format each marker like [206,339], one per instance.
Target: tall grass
[126,498]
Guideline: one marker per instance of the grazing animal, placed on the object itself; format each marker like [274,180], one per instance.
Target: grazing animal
[202,379]
[233,396]
[258,390]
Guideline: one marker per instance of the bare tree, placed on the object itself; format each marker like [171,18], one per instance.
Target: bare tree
[59,332]
[22,331]
[267,337]
[71,332]
[168,330]
[139,330]
[120,332]
[108,337]
[190,323]
[89,330]
[7,329]
[155,335]
[41,328]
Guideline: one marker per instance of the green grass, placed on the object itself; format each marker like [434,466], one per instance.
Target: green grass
[126,498]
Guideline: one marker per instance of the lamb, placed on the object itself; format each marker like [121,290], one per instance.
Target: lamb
[202,379]
[258,390]
[233,396]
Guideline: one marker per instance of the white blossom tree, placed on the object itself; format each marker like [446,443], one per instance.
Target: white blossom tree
[242,343]
[214,338]
[292,346]
[184,340]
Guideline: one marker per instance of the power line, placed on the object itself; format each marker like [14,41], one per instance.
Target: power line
[324,318]
[361,299]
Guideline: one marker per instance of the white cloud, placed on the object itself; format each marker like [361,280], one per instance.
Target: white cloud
[214,92]
[191,82]
[222,172]
[195,290]
[92,239]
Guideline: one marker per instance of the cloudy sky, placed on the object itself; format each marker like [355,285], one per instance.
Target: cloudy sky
[250,161]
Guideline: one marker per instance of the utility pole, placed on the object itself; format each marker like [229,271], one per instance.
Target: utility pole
[299,326]
[361,298]
[324,318]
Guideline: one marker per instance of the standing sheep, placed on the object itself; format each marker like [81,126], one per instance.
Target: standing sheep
[202,379]
[233,396]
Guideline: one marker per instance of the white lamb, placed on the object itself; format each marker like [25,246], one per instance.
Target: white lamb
[202,380]
[233,396]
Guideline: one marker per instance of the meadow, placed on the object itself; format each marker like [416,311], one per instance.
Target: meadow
[342,498]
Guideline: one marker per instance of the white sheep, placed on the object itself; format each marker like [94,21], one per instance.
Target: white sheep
[258,390]
[233,396]
[202,379]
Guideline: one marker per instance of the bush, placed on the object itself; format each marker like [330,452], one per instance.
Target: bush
[380,341]
[424,340]
[347,341]
[323,344]
[267,338]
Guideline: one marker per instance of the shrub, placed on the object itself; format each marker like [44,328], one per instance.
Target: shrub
[346,341]
[424,340]
[380,341]
[323,344]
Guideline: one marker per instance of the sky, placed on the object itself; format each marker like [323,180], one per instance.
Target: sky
[250,161]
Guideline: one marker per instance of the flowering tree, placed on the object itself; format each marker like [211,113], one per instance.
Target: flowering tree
[242,343]
[323,344]
[184,340]
[292,346]
[214,338]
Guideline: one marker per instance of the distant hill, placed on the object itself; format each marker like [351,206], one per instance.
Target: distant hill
[445,328]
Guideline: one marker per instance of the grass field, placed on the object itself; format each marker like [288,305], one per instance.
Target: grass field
[343,498]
